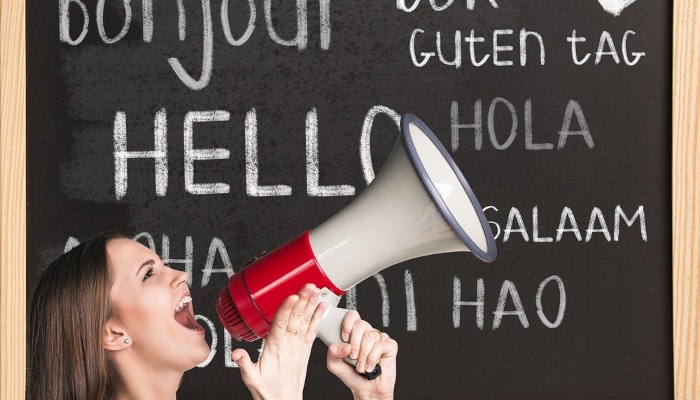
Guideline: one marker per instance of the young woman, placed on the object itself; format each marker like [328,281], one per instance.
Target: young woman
[109,320]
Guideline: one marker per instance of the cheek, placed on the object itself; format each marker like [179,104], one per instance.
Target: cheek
[146,315]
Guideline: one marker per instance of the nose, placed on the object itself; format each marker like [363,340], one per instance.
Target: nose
[179,277]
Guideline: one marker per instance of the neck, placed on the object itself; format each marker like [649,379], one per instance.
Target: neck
[140,381]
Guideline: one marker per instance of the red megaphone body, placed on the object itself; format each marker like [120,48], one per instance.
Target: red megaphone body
[253,295]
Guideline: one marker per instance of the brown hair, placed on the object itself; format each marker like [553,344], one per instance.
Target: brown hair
[69,310]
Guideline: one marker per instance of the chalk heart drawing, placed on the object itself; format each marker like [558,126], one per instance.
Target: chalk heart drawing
[615,7]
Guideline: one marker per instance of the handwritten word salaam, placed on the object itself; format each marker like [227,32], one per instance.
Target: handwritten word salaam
[609,226]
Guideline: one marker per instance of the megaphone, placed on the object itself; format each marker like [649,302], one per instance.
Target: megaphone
[419,204]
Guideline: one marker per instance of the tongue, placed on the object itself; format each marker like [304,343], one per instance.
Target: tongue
[186,319]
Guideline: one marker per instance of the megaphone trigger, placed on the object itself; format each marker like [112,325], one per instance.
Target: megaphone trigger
[328,297]
[374,374]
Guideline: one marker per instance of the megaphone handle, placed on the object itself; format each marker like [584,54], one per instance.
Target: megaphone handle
[329,332]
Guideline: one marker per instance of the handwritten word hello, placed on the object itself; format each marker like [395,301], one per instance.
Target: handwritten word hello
[482,121]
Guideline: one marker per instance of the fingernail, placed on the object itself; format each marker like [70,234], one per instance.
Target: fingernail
[353,354]
[346,337]
[361,367]
[370,368]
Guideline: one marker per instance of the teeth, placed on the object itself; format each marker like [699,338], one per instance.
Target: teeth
[183,302]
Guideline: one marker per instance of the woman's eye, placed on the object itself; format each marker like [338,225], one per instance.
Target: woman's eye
[149,274]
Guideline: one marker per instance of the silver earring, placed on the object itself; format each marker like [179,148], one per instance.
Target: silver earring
[127,341]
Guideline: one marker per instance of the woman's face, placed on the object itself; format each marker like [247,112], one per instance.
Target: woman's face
[147,303]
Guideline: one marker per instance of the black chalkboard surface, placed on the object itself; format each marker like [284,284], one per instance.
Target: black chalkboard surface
[192,126]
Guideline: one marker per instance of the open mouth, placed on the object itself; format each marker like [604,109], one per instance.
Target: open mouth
[184,314]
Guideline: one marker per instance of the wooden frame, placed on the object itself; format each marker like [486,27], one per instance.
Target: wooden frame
[686,199]
[12,192]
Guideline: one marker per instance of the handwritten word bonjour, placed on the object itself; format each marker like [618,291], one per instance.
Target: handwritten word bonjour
[300,40]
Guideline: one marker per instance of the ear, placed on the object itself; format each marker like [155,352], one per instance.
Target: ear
[114,337]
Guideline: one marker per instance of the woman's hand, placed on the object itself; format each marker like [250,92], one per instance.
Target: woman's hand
[281,370]
[369,347]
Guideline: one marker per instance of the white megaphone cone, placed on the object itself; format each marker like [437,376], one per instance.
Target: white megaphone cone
[419,204]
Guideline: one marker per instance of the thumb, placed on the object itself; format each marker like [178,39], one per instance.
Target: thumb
[335,363]
[241,357]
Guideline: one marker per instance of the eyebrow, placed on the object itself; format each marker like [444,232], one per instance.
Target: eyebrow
[149,262]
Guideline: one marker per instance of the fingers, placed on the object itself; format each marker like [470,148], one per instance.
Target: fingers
[368,347]
[312,301]
[315,322]
[298,315]
[348,323]
[358,340]
[384,349]
[370,338]
[281,320]
[367,344]
[303,310]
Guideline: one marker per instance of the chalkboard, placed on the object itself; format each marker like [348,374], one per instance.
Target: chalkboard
[212,139]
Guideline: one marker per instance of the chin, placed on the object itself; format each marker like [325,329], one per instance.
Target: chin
[202,352]
[190,361]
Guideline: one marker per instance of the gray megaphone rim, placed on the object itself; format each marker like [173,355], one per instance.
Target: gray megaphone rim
[487,256]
